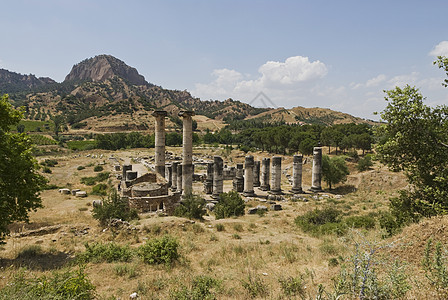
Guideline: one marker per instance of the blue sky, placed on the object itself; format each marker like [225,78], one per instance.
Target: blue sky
[332,54]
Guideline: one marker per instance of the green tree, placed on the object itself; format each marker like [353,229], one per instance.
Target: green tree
[20,182]
[230,204]
[307,145]
[113,208]
[192,207]
[414,140]
[334,170]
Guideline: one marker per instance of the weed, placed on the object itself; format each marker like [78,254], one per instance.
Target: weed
[293,286]
[201,288]
[220,227]
[236,236]
[197,228]
[126,270]
[238,227]
[435,267]
[255,286]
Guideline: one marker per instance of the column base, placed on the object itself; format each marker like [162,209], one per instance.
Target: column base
[297,191]
[316,189]
[276,192]
[249,193]
[265,187]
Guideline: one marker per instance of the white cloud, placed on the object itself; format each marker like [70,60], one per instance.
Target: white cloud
[279,78]
[402,80]
[441,49]
[376,81]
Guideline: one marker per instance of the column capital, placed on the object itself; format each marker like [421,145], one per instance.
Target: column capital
[186,113]
[159,113]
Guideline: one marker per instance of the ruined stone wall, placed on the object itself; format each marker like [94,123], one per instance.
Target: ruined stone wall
[148,204]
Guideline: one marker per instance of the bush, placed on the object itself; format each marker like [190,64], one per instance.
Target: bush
[47,170]
[365,163]
[110,252]
[230,204]
[220,227]
[79,168]
[98,178]
[365,222]
[60,285]
[100,189]
[114,208]
[49,162]
[192,207]
[200,289]
[293,286]
[98,169]
[159,250]
[325,221]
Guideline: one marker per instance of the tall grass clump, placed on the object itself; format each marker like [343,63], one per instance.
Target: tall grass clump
[110,252]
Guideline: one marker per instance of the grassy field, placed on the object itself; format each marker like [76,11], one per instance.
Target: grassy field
[37,126]
[81,145]
[261,256]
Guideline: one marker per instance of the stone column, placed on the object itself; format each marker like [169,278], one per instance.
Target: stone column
[257,173]
[218,184]
[265,169]
[297,174]
[317,170]
[208,184]
[169,174]
[179,178]
[249,176]
[238,181]
[174,165]
[160,115]
[187,151]
[276,175]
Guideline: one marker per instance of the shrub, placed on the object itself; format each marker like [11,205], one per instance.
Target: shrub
[98,178]
[113,208]
[200,289]
[159,250]
[100,189]
[220,227]
[79,168]
[325,221]
[60,285]
[192,207]
[293,286]
[366,222]
[365,163]
[110,252]
[230,204]
[47,170]
[49,162]
[98,168]
[436,267]
[255,286]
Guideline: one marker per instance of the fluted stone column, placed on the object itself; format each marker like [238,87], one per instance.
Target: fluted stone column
[187,151]
[174,165]
[265,169]
[317,170]
[238,181]
[297,174]
[218,184]
[276,175]
[160,115]
[179,178]
[208,184]
[257,173]
[169,174]
[249,176]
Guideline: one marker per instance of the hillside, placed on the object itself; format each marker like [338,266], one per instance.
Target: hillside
[104,94]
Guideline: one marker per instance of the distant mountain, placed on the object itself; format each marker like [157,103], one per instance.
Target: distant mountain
[11,82]
[103,67]
[104,94]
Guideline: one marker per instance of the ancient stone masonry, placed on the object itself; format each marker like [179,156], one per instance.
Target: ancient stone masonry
[160,115]
[265,169]
[169,174]
[124,169]
[187,151]
[174,165]
[238,181]
[257,173]
[218,184]
[276,175]
[297,174]
[317,170]
[249,176]
[208,183]
[179,178]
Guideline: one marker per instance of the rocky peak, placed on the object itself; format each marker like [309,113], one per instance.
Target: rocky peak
[102,67]
[14,82]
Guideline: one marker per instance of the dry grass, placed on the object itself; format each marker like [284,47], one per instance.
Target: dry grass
[268,248]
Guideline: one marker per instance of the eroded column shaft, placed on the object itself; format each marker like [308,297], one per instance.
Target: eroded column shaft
[238,181]
[257,173]
[208,184]
[249,176]
[264,178]
[160,141]
[297,174]
[174,167]
[276,175]
[187,151]
[179,177]
[317,170]
[218,184]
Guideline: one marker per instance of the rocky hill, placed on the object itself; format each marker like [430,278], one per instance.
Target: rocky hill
[104,94]
[11,82]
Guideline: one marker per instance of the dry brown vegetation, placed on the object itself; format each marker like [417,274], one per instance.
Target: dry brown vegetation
[251,249]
